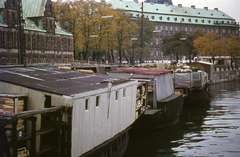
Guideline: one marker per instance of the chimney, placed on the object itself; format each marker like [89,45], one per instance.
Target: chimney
[136,1]
[193,6]
[180,5]
[206,8]
[216,9]
[62,19]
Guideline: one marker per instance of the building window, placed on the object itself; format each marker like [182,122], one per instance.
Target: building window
[13,2]
[211,30]
[161,27]
[175,19]
[160,17]
[49,9]
[223,31]
[1,16]
[216,30]
[2,39]
[171,29]
[166,28]
[236,31]
[13,18]
[207,29]
[186,29]
[86,104]
[50,24]
[116,95]
[190,29]
[229,31]
[97,101]
[176,28]
[124,90]
[156,27]
[203,29]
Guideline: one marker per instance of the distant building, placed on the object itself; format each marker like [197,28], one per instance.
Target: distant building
[169,19]
[45,41]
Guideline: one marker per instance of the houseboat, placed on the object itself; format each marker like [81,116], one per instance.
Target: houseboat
[96,111]
[164,105]
[193,85]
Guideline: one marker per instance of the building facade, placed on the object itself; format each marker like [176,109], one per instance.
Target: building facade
[169,19]
[44,39]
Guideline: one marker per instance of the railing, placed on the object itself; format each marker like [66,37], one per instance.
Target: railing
[226,67]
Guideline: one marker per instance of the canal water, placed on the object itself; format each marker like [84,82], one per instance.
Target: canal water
[206,128]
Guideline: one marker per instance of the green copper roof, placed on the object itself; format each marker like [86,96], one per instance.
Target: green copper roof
[174,14]
[34,8]
[2,3]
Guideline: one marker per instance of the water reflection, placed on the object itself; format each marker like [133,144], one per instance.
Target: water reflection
[209,128]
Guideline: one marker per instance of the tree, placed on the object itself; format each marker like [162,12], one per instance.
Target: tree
[209,44]
[124,28]
[189,42]
[145,37]
[172,45]
[232,47]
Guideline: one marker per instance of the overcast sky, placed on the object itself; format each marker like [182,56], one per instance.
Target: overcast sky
[230,7]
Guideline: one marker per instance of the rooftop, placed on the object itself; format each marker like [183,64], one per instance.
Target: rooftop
[142,71]
[53,80]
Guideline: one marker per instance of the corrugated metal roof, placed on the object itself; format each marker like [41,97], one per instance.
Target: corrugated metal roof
[173,14]
[34,8]
[53,80]
[142,71]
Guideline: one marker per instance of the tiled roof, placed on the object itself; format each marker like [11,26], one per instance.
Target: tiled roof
[173,14]
[34,8]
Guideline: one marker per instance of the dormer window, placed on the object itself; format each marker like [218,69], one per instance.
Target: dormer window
[160,17]
[183,19]
[137,15]
[126,5]
[189,20]
[157,9]
[175,19]
[202,21]
[198,12]
[209,21]
[196,20]
[168,18]
[153,17]
[185,11]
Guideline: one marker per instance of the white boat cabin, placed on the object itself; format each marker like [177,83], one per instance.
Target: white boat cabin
[101,106]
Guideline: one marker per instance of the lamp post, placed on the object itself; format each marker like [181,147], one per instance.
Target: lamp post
[133,62]
[182,39]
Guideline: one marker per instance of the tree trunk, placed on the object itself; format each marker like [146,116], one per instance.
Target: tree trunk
[112,56]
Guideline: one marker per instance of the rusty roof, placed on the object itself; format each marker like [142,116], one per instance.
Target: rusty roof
[53,80]
[142,71]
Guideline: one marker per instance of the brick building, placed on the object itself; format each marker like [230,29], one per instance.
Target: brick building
[169,19]
[45,40]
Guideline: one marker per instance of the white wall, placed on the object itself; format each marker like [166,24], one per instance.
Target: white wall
[94,126]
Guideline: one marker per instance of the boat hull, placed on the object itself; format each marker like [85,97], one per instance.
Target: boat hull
[167,113]
[115,147]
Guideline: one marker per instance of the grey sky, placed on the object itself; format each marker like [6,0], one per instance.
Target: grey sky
[230,7]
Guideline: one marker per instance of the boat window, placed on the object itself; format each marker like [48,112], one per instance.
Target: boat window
[86,104]
[124,92]
[97,101]
[116,96]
